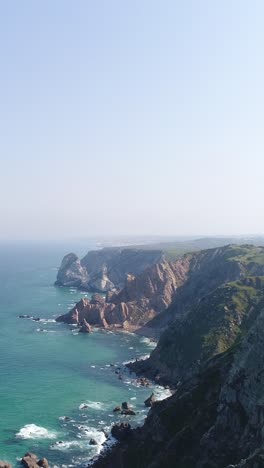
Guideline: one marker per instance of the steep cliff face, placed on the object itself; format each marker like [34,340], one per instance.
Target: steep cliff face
[208,312]
[106,269]
[211,327]
[71,272]
[164,294]
[214,420]
[142,298]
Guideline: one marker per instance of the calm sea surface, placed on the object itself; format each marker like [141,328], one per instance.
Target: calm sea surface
[48,370]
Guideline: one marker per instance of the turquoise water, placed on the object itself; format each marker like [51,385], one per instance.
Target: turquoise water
[48,370]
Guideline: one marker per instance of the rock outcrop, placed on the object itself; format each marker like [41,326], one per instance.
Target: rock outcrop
[105,270]
[121,431]
[215,418]
[142,298]
[86,327]
[30,460]
[208,313]
[164,294]
[213,354]
[150,400]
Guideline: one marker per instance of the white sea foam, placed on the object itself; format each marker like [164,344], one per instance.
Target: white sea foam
[44,320]
[96,405]
[93,433]
[148,342]
[139,358]
[66,445]
[161,393]
[32,431]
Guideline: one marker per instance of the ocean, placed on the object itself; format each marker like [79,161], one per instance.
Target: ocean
[58,388]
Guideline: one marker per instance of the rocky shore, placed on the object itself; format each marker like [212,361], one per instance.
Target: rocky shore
[29,460]
[213,355]
[208,310]
[141,299]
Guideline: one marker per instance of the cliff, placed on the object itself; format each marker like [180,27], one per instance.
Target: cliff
[164,294]
[106,269]
[208,312]
[215,418]
[141,299]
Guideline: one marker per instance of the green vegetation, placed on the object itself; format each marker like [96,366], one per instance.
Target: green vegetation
[245,254]
[213,326]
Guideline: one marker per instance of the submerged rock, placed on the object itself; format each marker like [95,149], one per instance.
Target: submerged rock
[116,409]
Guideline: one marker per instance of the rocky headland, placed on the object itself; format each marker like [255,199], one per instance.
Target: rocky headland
[106,269]
[208,310]
[140,300]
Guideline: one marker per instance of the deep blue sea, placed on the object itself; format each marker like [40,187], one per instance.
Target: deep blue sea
[49,371]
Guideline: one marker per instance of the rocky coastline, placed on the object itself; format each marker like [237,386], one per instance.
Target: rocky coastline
[213,355]
[207,309]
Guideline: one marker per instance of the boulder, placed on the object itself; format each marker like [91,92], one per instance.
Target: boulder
[125,405]
[43,463]
[4,464]
[121,431]
[93,442]
[150,400]
[30,460]
[86,327]
[128,412]
[117,408]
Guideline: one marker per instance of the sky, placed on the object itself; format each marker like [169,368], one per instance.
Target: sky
[140,117]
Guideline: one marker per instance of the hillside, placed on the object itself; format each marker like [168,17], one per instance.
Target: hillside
[214,420]
[213,355]
[166,292]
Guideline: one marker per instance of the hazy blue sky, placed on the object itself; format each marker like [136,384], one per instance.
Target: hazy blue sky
[131,117]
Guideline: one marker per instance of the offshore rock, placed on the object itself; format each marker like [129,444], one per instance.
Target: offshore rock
[86,327]
[71,272]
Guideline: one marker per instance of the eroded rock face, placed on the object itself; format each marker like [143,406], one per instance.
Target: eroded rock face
[71,272]
[106,269]
[216,416]
[142,298]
